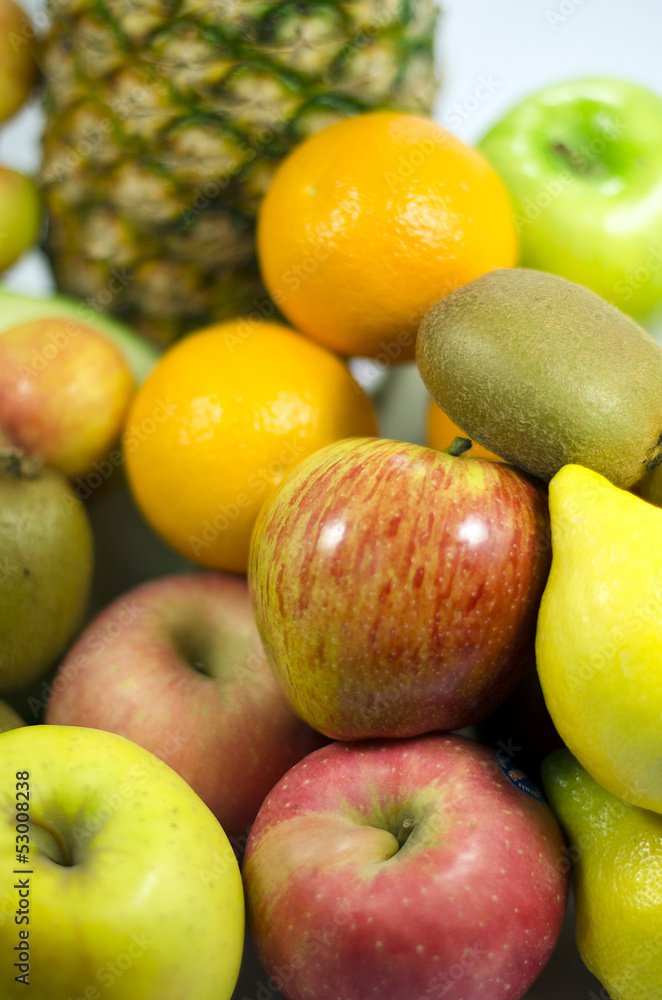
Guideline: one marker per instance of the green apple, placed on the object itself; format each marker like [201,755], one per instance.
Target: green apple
[129,888]
[17,309]
[582,162]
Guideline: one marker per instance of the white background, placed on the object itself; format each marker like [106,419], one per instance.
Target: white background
[515,45]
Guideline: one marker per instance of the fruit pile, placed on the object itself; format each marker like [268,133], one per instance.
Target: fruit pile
[309,725]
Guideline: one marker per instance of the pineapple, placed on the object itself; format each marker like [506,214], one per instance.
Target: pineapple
[166,119]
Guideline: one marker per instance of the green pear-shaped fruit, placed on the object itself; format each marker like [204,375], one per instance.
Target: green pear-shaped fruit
[617,849]
[599,632]
[45,568]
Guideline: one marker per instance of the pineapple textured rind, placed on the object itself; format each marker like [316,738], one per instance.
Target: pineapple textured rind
[165,121]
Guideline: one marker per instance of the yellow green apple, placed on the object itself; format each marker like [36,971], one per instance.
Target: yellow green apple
[128,887]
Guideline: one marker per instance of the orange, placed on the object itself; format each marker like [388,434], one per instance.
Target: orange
[371,221]
[227,412]
[442,430]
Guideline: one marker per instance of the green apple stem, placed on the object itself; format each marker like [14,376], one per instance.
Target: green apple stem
[405,830]
[458,446]
[580,164]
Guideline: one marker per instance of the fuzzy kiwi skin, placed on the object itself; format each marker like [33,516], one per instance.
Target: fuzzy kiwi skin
[544,372]
[46,551]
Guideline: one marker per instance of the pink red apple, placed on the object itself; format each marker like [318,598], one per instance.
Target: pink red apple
[404,870]
[396,587]
[64,392]
[176,665]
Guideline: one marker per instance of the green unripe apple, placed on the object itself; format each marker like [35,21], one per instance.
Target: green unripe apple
[582,162]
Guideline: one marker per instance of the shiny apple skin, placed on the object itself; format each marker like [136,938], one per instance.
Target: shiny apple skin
[396,588]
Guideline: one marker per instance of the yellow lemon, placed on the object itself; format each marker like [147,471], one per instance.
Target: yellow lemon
[599,635]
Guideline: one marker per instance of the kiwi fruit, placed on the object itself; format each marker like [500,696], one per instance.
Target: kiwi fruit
[544,373]
[45,567]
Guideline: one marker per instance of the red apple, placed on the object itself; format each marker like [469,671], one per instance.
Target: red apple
[64,392]
[176,665]
[404,870]
[396,587]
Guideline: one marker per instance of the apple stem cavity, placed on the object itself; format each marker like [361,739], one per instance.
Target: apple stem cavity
[51,843]
[458,446]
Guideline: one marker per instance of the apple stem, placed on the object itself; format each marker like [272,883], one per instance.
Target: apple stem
[405,830]
[17,463]
[582,166]
[458,446]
